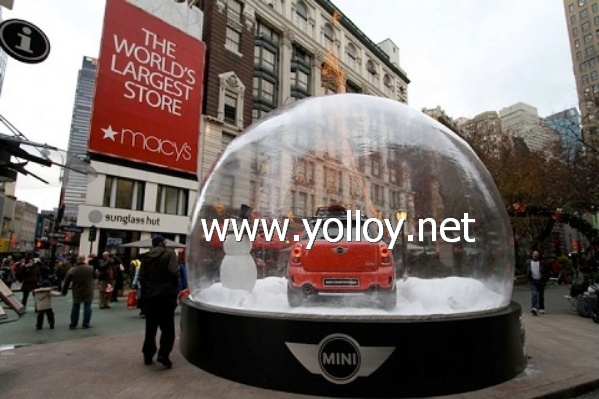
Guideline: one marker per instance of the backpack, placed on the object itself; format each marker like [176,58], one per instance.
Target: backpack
[578,289]
[585,304]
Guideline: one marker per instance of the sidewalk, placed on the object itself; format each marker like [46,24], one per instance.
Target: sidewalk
[563,350]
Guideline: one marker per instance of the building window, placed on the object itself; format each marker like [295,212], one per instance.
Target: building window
[265,59]
[388,82]
[588,37]
[596,20]
[590,50]
[594,7]
[351,56]
[581,3]
[573,19]
[376,166]
[230,102]
[352,88]
[226,191]
[372,74]
[583,66]
[594,75]
[233,40]
[586,26]
[584,13]
[234,27]
[172,200]
[234,11]
[571,7]
[230,108]
[575,32]
[577,43]
[585,79]
[266,71]
[329,37]
[579,55]
[123,193]
[592,63]
[301,73]
[301,16]
[377,194]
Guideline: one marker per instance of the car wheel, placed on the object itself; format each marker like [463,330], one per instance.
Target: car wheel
[294,298]
[387,299]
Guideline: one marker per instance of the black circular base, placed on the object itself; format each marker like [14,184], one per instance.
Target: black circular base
[355,356]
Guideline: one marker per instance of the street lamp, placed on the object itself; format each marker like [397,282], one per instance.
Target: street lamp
[402,214]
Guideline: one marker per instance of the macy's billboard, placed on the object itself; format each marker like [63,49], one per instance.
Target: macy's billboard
[148,95]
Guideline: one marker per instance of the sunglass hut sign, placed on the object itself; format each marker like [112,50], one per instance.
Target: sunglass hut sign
[148,96]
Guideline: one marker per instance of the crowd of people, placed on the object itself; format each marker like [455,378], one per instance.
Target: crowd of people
[158,276]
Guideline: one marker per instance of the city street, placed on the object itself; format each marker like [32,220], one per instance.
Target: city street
[117,319]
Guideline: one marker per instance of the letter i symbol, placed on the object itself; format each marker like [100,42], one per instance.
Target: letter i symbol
[25,44]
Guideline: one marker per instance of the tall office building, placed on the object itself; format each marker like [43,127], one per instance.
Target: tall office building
[582,17]
[74,184]
[522,120]
[567,124]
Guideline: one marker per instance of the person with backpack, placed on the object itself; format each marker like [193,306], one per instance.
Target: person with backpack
[29,275]
[538,272]
[159,276]
[106,276]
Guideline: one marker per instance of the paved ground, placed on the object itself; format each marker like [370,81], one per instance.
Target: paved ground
[105,361]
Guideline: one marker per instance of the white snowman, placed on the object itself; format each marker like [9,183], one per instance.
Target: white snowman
[238,270]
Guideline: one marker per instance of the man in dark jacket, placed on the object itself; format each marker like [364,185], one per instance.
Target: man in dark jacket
[82,277]
[158,275]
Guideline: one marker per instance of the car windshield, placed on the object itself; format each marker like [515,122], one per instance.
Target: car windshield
[333,231]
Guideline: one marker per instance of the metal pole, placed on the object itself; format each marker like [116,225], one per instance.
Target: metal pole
[404,249]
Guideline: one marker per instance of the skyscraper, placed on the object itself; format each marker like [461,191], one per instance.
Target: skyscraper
[74,184]
[567,124]
[582,18]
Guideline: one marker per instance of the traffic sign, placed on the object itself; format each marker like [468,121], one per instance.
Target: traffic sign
[24,41]
[57,235]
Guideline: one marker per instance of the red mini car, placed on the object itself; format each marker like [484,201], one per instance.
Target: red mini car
[344,267]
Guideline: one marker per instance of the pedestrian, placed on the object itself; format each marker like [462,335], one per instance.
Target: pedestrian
[106,276]
[135,265]
[29,276]
[43,304]
[81,276]
[537,272]
[182,282]
[6,274]
[158,275]
[118,279]
[60,271]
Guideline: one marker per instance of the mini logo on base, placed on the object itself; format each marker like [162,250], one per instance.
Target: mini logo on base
[339,358]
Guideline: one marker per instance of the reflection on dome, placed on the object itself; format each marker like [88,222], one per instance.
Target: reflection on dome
[364,153]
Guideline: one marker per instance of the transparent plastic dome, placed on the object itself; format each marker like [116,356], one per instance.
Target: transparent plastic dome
[321,157]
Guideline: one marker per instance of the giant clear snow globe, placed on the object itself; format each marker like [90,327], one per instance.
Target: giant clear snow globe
[350,205]
[350,246]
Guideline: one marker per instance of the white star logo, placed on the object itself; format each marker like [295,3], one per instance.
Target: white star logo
[109,133]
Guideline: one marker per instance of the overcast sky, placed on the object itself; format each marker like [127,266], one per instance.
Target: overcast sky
[467,56]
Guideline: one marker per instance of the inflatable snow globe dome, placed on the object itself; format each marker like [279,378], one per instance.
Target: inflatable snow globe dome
[350,204]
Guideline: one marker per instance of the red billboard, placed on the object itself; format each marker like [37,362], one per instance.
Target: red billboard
[148,95]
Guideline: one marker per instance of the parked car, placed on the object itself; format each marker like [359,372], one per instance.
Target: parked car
[345,267]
